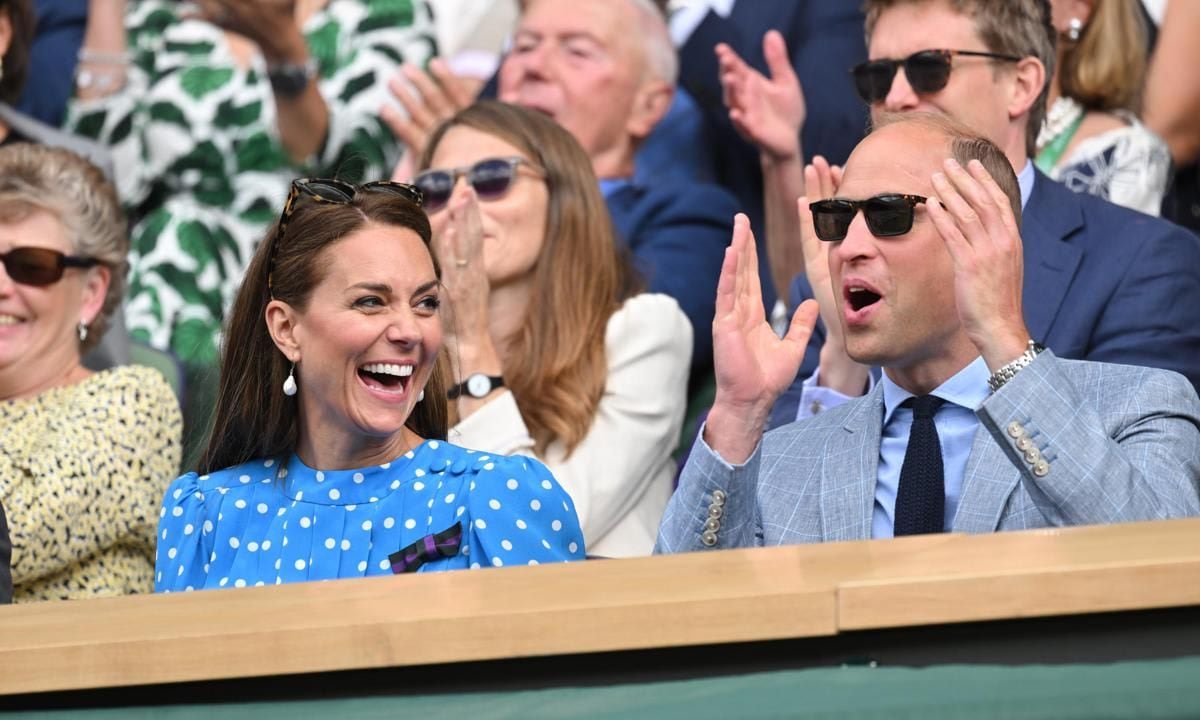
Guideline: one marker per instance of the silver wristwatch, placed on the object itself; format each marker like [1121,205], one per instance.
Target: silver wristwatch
[1009,371]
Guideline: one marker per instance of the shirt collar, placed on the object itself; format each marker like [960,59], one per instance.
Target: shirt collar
[1025,181]
[608,186]
[967,388]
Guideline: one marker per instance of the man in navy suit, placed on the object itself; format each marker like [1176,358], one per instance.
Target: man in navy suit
[606,72]
[1101,282]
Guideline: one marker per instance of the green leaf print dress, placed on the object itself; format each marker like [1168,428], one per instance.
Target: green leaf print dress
[198,158]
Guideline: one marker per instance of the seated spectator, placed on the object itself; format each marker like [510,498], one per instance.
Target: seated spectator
[1091,140]
[6,586]
[974,427]
[606,72]
[209,110]
[556,352]
[328,457]
[1102,282]
[84,456]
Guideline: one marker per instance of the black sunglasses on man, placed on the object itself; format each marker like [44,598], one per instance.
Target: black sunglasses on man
[927,71]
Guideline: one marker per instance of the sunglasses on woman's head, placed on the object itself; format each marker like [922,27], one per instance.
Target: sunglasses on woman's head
[887,215]
[40,266]
[491,179]
[927,71]
[335,192]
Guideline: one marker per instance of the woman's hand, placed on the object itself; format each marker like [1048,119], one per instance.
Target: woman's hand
[269,24]
[459,247]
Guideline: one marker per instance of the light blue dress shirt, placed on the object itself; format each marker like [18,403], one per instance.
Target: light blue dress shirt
[956,424]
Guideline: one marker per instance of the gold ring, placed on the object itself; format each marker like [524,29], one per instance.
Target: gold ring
[461,263]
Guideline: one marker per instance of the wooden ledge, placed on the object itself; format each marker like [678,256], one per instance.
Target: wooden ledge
[684,600]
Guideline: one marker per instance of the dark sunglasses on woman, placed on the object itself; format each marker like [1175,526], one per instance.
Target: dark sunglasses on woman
[927,71]
[335,192]
[887,215]
[41,266]
[491,179]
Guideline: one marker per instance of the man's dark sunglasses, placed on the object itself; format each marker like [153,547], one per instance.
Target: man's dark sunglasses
[927,71]
[41,266]
[887,215]
[335,192]
[491,179]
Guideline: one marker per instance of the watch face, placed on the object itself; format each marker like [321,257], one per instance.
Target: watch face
[479,385]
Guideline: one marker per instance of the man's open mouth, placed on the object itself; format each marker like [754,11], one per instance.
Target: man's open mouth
[859,297]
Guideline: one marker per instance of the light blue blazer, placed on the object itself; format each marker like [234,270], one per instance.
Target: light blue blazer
[1118,443]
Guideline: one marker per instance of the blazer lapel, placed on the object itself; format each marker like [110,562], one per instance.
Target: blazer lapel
[1051,217]
[849,471]
[989,481]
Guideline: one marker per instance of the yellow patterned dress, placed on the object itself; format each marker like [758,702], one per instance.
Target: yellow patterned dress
[82,474]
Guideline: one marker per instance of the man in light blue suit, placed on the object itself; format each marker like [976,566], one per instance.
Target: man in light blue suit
[1101,282]
[973,427]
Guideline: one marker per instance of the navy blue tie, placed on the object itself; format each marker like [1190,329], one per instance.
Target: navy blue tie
[921,497]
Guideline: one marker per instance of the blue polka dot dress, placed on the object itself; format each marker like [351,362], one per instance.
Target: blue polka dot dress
[438,507]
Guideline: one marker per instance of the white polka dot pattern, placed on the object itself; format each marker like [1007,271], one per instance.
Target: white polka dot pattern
[297,526]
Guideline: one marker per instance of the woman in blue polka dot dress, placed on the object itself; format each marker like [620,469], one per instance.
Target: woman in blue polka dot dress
[327,457]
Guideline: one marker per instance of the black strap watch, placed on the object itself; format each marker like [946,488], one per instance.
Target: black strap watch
[477,386]
[291,79]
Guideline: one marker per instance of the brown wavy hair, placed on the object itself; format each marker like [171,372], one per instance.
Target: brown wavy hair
[253,418]
[1106,68]
[556,367]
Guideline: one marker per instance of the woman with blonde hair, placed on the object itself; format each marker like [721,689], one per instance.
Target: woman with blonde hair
[1091,139]
[557,353]
[84,457]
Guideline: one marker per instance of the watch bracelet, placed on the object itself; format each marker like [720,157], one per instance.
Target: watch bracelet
[1009,370]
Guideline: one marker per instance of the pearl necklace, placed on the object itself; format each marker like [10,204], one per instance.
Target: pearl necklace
[1062,115]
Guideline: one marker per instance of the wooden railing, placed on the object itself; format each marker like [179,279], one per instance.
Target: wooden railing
[596,606]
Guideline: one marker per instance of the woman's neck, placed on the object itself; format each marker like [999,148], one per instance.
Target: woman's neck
[18,385]
[321,449]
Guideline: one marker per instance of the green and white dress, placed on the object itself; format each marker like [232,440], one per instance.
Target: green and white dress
[198,158]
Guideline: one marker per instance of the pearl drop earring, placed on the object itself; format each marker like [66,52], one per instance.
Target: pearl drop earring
[421,396]
[1074,29]
[289,385]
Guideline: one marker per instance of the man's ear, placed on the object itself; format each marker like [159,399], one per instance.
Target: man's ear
[651,103]
[1029,80]
[95,287]
[284,326]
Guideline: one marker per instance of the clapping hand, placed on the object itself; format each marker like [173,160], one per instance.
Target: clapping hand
[753,365]
[270,24]
[428,99]
[768,112]
[976,221]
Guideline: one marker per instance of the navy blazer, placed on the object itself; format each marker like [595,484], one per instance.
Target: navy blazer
[678,233]
[1102,283]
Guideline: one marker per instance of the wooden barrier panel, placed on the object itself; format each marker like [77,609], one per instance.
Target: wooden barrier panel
[661,602]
